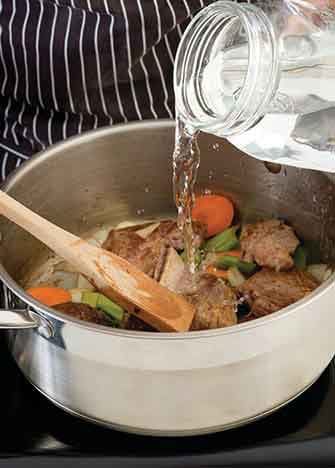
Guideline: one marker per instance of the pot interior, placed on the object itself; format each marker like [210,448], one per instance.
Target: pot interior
[125,173]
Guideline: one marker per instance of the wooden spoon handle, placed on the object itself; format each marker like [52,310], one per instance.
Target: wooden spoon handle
[111,274]
[53,236]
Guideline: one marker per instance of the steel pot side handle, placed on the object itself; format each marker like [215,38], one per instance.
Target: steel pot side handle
[24,319]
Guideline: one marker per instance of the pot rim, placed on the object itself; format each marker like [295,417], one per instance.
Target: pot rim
[14,287]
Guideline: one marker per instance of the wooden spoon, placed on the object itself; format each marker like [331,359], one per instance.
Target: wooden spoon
[112,275]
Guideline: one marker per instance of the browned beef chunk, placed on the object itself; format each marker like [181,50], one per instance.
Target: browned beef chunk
[145,254]
[149,254]
[174,237]
[156,255]
[152,254]
[269,243]
[123,242]
[215,304]
[268,291]
[83,312]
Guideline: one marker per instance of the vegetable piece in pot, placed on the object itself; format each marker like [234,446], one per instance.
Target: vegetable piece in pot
[98,301]
[233,253]
[50,296]
[215,211]
[145,232]
[300,258]
[173,270]
[217,272]
[235,277]
[229,261]
[225,241]
[82,283]
[320,272]
[232,275]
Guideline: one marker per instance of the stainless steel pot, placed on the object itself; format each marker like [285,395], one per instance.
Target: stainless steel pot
[164,384]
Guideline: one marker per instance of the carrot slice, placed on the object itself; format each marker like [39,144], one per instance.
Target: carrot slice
[50,296]
[230,253]
[211,270]
[215,211]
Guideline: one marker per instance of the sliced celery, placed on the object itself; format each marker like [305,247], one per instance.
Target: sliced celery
[230,261]
[226,240]
[99,301]
[90,298]
[300,258]
[109,307]
[235,277]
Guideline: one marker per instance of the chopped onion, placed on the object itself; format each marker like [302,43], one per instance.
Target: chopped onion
[76,294]
[84,284]
[321,272]
[128,224]
[61,265]
[63,279]
[328,274]
[94,242]
[100,236]
[145,232]
[124,225]
[235,277]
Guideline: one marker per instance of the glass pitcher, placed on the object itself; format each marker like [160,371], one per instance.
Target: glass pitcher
[262,75]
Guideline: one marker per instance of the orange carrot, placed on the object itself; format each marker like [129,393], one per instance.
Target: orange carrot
[215,211]
[50,296]
[230,253]
[211,270]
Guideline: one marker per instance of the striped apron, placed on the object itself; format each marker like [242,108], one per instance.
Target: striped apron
[67,66]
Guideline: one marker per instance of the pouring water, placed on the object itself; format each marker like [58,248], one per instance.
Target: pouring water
[261,76]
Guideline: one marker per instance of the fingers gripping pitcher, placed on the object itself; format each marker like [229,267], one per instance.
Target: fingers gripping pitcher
[262,75]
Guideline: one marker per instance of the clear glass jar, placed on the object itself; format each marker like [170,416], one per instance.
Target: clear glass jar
[263,76]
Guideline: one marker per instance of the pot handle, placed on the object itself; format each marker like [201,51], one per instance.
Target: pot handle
[21,319]
[17,319]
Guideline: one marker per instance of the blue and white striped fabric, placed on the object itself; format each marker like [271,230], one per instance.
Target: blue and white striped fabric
[67,66]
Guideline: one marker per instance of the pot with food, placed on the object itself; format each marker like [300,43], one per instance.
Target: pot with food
[242,273]
[262,290]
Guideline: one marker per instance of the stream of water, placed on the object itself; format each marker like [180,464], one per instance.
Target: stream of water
[186,160]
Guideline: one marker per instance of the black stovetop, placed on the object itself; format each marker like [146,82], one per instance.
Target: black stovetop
[33,429]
